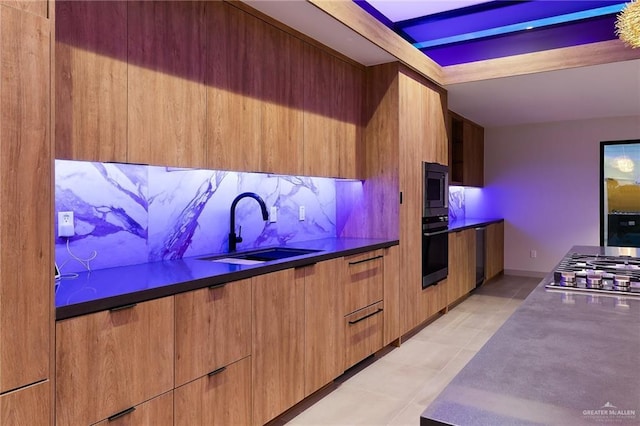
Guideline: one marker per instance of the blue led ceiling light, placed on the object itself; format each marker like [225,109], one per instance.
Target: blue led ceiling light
[522,26]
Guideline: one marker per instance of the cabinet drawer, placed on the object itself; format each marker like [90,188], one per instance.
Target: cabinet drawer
[363,330]
[364,282]
[221,398]
[213,329]
[112,360]
[157,412]
[27,406]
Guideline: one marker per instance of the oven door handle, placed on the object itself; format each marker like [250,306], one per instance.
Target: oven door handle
[430,234]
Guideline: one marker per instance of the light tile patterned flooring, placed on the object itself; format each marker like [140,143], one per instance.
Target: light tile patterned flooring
[395,386]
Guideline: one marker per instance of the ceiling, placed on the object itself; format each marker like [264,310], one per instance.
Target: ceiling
[607,90]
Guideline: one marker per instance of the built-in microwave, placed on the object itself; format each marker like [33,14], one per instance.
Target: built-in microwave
[436,190]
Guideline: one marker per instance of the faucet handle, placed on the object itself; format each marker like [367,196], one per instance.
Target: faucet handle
[239,237]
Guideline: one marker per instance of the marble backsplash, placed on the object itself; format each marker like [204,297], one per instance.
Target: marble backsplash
[457,205]
[128,214]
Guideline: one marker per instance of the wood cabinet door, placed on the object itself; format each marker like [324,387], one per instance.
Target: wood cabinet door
[278,343]
[109,361]
[364,333]
[27,406]
[26,279]
[323,318]
[333,92]
[391,294]
[494,250]
[91,80]
[220,398]
[462,264]
[364,280]
[166,92]
[38,7]
[157,412]
[213,329]
[473,168]
[254,94]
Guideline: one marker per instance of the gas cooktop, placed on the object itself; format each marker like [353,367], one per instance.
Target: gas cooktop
[597,273]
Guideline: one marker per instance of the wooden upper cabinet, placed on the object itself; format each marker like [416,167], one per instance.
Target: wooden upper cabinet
[109,361]
[254,94]
[333,133]
[166,92]
[91,80]
[37,7]
[467,151]
[26,232]
[213,329]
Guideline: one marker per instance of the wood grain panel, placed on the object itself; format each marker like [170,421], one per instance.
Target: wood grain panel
[494,250]
[278,343]
[27,406]
[462,264]
[354,17]
[473,154]
[435,118]
[324,330]
[363,331]
[37,7]
[112,360]
[213,329]
[391,294]
[603,52]
[26,170]
[157,412]
[233,80]
[351,148]
[363,284]
[91,80]
[166,93]
[220,399]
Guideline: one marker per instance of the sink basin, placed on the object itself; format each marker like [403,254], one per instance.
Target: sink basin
[260,256]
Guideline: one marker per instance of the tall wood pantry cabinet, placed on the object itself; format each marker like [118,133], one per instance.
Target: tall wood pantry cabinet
[26,259]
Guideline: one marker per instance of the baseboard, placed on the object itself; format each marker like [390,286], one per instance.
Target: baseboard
[521,273]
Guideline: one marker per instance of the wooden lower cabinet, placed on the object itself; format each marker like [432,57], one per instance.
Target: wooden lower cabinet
[364,333]
[462,264]
[27,406]
[109,361]
[391,294]
[323,319]
[278,343]
[494,261]
[157,412]
[213,329]
[364,280]
[219,398]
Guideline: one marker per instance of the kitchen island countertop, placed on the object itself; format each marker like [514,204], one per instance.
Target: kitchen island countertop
[103,289]
[562,358]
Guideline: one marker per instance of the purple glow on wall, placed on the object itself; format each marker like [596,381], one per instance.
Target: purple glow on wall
[131,214]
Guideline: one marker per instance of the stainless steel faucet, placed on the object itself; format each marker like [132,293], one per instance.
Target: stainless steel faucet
[233,238]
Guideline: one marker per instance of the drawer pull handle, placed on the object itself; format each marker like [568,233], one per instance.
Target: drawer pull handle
[213,287]
[217,371]
[122,414]
[366,316]
[123,307]
[366,260]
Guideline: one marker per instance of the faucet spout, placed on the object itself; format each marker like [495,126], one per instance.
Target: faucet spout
[233,238]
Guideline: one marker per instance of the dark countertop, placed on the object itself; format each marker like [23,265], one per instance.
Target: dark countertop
[460,224]
[109,288]
[562,358]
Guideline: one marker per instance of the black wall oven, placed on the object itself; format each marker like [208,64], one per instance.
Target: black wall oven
[435,224]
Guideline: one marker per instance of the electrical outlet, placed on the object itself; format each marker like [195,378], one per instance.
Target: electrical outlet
[533,254]
[65,224]
[301,213]
[273,214]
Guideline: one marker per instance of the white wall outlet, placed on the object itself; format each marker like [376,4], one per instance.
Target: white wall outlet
[273,214]
[533,254]
[301,213]
[66,227]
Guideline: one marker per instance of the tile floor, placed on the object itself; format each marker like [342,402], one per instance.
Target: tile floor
[395,386]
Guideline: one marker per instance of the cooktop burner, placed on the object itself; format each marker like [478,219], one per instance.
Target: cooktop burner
[594,273]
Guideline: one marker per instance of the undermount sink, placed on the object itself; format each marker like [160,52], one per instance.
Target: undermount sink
[260,256]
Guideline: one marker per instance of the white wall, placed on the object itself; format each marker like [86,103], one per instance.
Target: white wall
[544,180]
